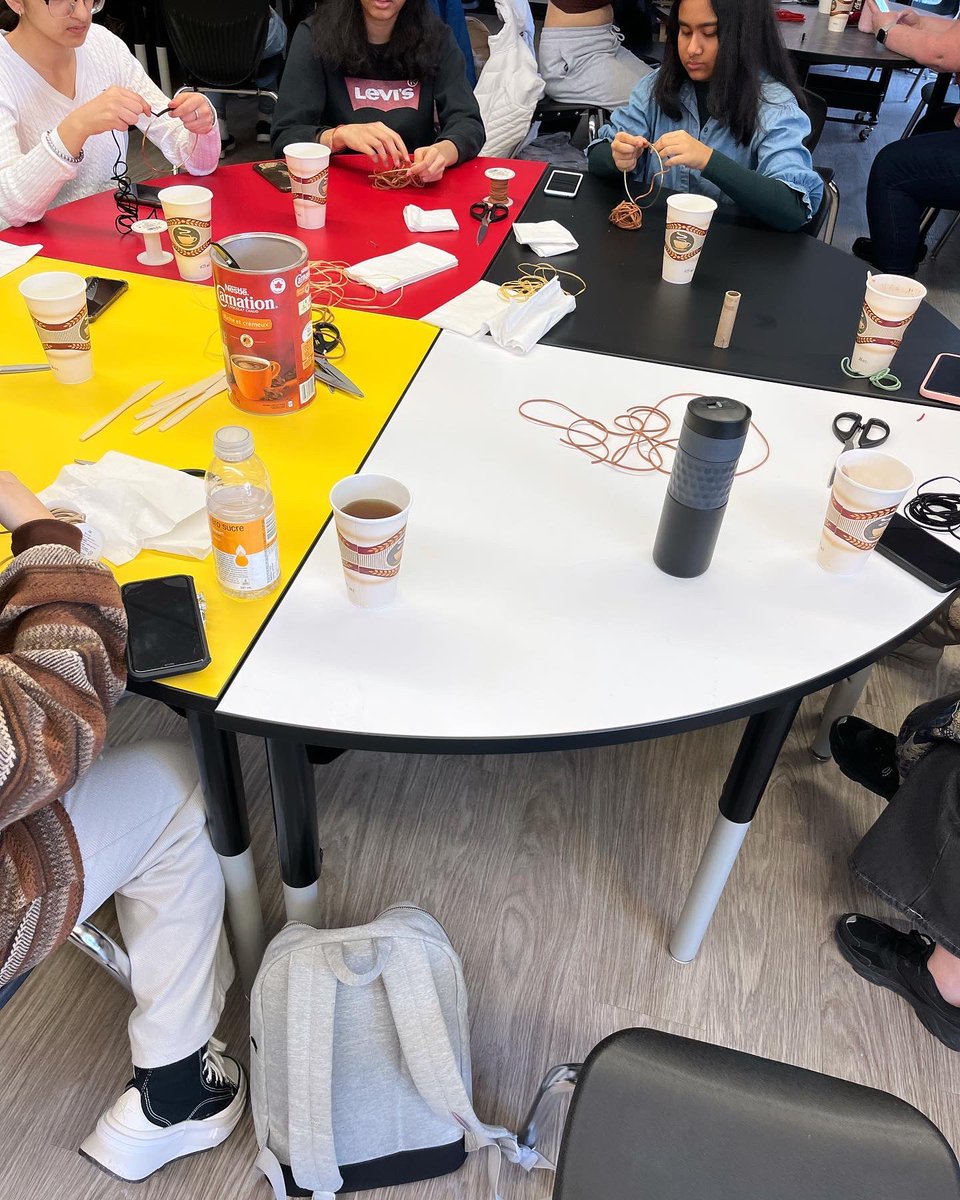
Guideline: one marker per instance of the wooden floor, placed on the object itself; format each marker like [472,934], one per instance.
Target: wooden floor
[558,877]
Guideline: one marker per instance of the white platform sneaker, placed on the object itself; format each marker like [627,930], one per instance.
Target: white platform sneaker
[169,1112]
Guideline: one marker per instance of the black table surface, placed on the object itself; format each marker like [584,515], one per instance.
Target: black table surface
[801,299]
[813,42]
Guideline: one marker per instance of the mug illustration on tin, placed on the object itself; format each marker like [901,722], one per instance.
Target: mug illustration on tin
[253,375]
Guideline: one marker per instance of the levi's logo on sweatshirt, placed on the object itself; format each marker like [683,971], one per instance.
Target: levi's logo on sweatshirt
[383,94]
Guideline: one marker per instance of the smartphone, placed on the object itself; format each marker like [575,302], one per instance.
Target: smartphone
[144,195]
[563,183]
[101,293]
[165,628]
[943,379]
[920,553]
[275,173]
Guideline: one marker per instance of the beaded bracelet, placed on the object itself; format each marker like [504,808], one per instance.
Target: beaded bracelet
[57,153]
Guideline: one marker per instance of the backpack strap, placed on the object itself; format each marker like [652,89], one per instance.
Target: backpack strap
[425,1042]
[311,1003]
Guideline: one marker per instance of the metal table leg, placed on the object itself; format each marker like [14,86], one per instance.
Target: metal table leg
[295,818]
[752,767]
[222,782]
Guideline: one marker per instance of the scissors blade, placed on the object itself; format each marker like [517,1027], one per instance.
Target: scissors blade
[484,226]
[327,373]
[23,368]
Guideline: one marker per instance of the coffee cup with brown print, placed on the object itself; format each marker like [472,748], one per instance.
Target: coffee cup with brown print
[187,211]
[688,219]
[370,513]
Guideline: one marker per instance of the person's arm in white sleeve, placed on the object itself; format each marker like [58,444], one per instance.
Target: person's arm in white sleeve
[188,136]
[30,180]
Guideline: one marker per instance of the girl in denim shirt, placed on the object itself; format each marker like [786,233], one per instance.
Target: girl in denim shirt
[723,113]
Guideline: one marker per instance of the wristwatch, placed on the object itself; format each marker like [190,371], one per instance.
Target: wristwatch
[881,34]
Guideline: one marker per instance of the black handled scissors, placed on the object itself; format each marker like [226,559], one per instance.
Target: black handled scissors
[487,214]
[327,340]
[857,434]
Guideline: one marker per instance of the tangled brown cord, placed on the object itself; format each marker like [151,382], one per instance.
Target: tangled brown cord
[533,277]
[635,442]
[330,288]
[629,214]
[397,177]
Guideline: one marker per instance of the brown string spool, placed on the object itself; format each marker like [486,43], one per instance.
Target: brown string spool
[639,434]
[629,213]
[395,178]
[498,185]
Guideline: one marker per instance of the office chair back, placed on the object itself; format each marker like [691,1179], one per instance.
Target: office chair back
[658,1117]
[219,42]
[817,112]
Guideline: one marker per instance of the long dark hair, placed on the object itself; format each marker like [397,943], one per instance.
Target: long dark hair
[749,47]
[340,39]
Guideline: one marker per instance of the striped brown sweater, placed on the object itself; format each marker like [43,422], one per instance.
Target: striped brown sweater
[62,637]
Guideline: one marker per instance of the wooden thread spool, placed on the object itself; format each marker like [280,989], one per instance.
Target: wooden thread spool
[728,315]
[498,184]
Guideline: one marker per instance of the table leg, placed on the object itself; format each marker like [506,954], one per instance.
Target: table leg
[752,767]
[219,760]
[295,818]
[841,702]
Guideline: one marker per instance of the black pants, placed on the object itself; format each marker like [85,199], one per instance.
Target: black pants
[908,177]
[911,855]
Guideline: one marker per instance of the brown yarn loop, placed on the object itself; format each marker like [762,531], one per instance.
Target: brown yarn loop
[629,213]
[395,178]
[636,440]
[331,287]
[533,277]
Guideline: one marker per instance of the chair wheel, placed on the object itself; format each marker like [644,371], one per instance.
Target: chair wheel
[864,134]
[858,117]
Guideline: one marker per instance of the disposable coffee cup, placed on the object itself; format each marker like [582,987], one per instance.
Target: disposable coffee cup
[688,219]
[309,167]
[186,208]
[840,11]
[57,301]
[825,7]
[868,488]
[888,308]
[370,513]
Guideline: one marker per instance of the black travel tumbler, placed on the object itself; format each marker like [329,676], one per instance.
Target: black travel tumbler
[714,431]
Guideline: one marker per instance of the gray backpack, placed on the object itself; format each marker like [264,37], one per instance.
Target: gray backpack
[360,1059]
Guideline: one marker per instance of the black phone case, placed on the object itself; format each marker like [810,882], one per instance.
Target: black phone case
[175,668]
[275,173]
[913,569]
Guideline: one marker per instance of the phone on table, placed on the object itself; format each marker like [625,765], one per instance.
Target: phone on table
[101,293]
[145,195]
[921,554]
[943,379]
[563,183]
[275,173]
[165,628]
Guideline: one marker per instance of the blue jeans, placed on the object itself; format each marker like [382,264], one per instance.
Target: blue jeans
[908,177]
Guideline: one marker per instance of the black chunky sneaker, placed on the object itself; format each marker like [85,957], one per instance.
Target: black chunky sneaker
[863,248]
[866,754]
[169,1112]
[898,961]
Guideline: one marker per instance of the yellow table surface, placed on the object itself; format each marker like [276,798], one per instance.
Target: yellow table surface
[166,330]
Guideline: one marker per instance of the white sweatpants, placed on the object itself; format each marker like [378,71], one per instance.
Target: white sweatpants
[589,66]
[139,818]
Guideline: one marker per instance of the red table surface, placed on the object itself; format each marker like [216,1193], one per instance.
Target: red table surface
[362,222]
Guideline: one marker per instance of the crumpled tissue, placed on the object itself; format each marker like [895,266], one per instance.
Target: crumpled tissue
[545,238]
[524,322]
[135,505]
[387,272]
[12,257]
[471,312]
[429,220]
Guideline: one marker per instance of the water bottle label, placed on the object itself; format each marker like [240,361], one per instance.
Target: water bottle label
[245,552]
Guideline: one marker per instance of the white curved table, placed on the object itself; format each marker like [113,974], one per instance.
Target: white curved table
[531,616]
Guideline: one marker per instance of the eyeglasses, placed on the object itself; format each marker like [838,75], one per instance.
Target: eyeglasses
[62,8]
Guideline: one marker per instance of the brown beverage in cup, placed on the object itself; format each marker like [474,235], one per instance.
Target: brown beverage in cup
[253,375]
[371,510]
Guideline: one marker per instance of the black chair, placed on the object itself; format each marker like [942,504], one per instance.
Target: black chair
[219,42]
[823,223]
[658,1117]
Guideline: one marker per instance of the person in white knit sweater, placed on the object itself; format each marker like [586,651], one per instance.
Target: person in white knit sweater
[69,91]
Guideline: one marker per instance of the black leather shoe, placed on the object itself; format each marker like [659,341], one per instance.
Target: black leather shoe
[898,961]
[863,248]
[866,754]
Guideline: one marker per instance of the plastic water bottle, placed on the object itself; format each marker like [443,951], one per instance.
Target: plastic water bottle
[243,521]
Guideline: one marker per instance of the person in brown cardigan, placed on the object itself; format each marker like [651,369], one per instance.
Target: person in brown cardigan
[79,823]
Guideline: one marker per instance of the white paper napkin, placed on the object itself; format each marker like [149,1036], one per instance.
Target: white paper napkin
[135,505]
[524,322]
[471,312]
[409,265]
[12,257]
[545,238]
[429,220]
